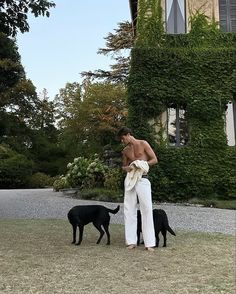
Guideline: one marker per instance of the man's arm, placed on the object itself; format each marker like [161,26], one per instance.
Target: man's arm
[152,159]
[125,166]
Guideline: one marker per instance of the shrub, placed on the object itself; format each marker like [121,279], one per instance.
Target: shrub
[95,174]
[15,169]
[77,171]
[186,173]
[84,172]
[40,180]
[114,179]
[60,183]
[101,194]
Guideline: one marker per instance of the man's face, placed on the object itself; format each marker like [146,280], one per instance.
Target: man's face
[125,139]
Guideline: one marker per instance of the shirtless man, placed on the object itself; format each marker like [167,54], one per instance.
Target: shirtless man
[137,150]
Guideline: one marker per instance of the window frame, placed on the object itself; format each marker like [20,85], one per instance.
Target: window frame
[177,109]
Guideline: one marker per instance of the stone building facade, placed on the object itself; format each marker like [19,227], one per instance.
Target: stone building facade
[176,15]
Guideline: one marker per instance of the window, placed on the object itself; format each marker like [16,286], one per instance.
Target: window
[175,16]
[230,123]
[227,9]
[177,128]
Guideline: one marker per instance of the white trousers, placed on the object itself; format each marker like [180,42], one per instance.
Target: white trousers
[142,190]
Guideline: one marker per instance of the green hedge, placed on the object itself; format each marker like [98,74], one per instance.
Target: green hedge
[185,173]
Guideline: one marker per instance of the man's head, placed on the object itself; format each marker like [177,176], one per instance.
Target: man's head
[124,135]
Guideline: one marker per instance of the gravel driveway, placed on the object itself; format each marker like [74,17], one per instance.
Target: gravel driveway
[46,204]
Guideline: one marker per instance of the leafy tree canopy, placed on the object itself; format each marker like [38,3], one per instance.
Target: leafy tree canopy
[11,70]
[14,14]
[68,99]
[116,44]
[93,115]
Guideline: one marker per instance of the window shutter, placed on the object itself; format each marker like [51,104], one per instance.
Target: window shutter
[175,17]
[227,10]
[233,15]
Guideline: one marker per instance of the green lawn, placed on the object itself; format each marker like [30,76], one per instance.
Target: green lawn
[36,256]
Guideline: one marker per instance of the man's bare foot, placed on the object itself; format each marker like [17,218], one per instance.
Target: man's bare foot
[131,246]
[151,249]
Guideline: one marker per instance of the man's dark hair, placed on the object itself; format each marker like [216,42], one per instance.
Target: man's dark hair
[123,131]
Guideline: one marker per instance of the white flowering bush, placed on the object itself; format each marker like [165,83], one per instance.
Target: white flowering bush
[77,171]
[95,174]
[84,172]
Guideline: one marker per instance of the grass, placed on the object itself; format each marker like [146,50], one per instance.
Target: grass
[37,256]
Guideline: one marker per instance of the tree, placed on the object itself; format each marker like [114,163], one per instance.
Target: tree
[17,94]
[14,14]
[102,112]
[48,155]
[46,113]
[27,122]
[67,99]
[116,44]
[19,104]
[92,117]
[11,70]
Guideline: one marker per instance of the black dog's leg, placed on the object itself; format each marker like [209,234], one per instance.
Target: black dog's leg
[81,230]
[163,231]
[74,233]
[106,228]
[99,228]
[157,239]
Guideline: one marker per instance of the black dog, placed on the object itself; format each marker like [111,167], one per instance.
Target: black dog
[161,224]
[97,214]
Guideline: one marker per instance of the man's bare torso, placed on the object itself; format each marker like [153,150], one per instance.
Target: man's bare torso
[135,151]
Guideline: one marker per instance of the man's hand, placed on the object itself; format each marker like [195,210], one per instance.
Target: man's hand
[127,168]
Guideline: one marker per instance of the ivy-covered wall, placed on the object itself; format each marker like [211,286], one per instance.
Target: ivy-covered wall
[197,71]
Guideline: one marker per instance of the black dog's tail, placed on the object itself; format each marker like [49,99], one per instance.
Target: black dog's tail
[114,211]
[170,230]
[161,211]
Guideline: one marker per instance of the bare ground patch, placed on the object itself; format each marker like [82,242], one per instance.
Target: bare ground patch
[36,256]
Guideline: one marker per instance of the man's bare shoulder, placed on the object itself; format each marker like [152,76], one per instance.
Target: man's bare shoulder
[146,146]
[144,143]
